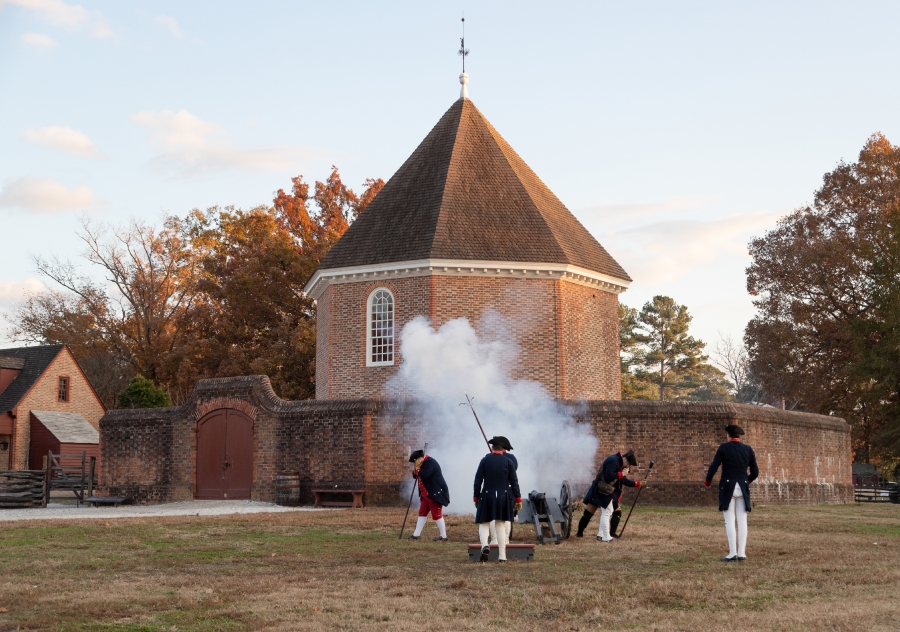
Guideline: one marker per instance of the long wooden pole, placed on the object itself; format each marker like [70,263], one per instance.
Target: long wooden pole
[478,421]
[640,489]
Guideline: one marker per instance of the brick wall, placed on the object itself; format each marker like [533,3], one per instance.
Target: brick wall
[150,454]
[590,351]
[44,396]
[567,334]
[803,458]
[346,373]
[528,310]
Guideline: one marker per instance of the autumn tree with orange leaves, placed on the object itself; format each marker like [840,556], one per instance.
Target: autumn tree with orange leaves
[336,206]
[826,283]
[130,323]
[216,294]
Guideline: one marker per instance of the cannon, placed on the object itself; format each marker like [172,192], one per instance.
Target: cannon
[551,518]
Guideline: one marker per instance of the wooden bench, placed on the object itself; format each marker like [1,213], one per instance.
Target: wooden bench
[322,494]
[115,501]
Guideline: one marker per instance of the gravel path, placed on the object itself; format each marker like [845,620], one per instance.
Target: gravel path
[189,508]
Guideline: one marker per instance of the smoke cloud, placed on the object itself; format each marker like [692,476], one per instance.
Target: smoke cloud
[440,366]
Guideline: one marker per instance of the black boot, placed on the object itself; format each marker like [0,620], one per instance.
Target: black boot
[614,522]
[583,523]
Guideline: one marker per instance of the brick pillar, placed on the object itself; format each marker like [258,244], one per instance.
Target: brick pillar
[18,452]
[560,322]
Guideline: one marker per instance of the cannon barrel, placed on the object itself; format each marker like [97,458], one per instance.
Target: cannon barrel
[550,517]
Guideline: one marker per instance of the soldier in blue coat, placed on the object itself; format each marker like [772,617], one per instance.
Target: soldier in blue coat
[497,496]
[494,540]
[736,458]
[433,494]
[605,492]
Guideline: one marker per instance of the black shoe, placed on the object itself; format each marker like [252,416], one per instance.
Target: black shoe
[504,561]
[440,539]
[579,535]
[485,553]
[413,537]
[729,559]
[741,559]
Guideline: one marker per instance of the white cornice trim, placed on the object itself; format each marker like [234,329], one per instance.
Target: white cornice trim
[459,267]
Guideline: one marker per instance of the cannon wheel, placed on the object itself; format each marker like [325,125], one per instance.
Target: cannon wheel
[565,504]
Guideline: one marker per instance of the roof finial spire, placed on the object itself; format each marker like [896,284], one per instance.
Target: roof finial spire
[463,52]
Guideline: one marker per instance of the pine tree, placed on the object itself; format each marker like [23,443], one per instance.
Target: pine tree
[673,358]
[631,355]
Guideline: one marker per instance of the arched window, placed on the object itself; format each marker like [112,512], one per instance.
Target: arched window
[380,328]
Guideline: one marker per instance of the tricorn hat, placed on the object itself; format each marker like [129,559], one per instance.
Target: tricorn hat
[629,456]
[501,442]
[734,430]
[416,455]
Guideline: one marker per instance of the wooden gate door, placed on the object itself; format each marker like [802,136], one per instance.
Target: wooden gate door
[224,455]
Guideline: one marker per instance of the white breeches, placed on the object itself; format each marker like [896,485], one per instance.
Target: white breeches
[605,516]
[736,513]
[484,532]
[494,531]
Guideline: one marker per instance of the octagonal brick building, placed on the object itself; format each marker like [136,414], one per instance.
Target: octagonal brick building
[464,226]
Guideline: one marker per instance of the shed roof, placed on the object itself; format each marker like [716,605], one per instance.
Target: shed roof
[7,362]
[465,194]
[36,360]
[67,427]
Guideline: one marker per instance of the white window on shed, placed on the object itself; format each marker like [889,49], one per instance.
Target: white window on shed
[380,328]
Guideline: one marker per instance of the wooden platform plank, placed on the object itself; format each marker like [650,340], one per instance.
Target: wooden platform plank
[519,552]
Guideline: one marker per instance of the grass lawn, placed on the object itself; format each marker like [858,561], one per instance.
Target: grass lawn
[809,568]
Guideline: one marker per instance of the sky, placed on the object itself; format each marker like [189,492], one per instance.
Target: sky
[675,132]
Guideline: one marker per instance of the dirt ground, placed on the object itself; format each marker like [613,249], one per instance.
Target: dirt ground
[809,568]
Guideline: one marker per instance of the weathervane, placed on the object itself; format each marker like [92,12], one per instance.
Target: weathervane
[463,51]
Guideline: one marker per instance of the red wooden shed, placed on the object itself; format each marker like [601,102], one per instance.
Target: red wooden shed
[63,433]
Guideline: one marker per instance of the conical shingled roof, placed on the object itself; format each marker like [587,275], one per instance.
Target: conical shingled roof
[465,194]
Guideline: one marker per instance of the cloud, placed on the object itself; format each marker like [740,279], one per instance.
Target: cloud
[54,12]
[692,248]
[38,40]
[69,16]
[45,195]
[63,139]
[12,291]
[192,146]
[101,28]
[663,242]
[171,24]
[176,130]
[620,213]
[664,252]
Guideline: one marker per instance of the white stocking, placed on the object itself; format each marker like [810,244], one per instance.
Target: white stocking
[484,532]
[740,512]
[420,524]
[442,527]
[736,512]
[501,533]
[605,517]
[508,530]
[493,532]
